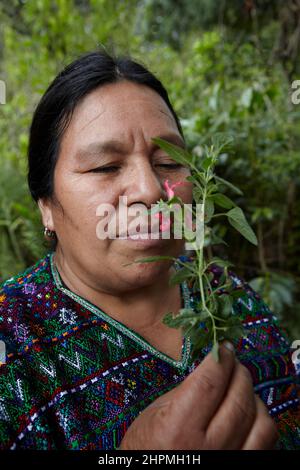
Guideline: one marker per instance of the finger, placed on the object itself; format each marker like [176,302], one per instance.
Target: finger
[233,420]
[264,434]
[203,390]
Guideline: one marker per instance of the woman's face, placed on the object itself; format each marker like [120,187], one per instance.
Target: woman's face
[106,152]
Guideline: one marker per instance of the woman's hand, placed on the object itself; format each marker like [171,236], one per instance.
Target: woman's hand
[213,408]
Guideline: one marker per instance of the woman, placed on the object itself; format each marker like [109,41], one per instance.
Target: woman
[89,363]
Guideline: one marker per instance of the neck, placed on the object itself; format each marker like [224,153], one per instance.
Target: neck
[139,309]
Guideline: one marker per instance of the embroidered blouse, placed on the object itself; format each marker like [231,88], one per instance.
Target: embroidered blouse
[75,378]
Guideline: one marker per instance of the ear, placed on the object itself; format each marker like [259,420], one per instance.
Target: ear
[45,207]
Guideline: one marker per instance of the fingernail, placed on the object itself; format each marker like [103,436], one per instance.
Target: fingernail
[229,346]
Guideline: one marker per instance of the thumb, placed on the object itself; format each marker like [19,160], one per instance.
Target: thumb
[206,386]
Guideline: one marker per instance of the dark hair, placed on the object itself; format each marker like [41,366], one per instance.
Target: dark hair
[55,109]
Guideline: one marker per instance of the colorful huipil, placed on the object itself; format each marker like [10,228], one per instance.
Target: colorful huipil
[75,378]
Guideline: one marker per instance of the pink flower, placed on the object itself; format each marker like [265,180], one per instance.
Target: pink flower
[165,221]
[170,189]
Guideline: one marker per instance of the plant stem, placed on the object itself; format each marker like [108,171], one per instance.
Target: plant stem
[200,274]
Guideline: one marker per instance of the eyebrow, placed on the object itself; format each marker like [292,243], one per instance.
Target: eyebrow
[114,146]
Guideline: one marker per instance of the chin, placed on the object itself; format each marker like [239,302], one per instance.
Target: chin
[141,275]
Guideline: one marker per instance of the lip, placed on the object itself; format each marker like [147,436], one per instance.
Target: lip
[143,235]
[144,242]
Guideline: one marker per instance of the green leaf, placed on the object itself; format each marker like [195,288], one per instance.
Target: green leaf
[284,293]
[221,262]
[236,294]
[234,332]
[225,305]
[200,339]
[175,200]
[178,154]
[150,259]
[229,185]
[186,316]
[212,189]
[238,220]
[182,275]
[197,178]
[209,209]
[223,201]
[197,194]
[170,320]
[206,163]
[202,315]
[216,240]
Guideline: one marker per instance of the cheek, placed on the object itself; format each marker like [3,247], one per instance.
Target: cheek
[81,210]
[185,192]
[81,194]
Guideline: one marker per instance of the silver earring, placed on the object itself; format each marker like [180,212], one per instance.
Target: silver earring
[49,233]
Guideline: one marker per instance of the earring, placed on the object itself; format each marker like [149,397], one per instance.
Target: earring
[49,233]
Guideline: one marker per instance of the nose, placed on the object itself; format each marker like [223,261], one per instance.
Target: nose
[143,184]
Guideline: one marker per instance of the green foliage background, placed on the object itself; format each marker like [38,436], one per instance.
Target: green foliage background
[228,66]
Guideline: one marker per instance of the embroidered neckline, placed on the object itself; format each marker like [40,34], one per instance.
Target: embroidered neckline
[185,294]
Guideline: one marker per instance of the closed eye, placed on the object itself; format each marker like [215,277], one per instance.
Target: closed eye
[113,168]
[104,169]
[170,166]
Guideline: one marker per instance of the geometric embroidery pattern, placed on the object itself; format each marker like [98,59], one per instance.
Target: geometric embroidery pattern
[74,378]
